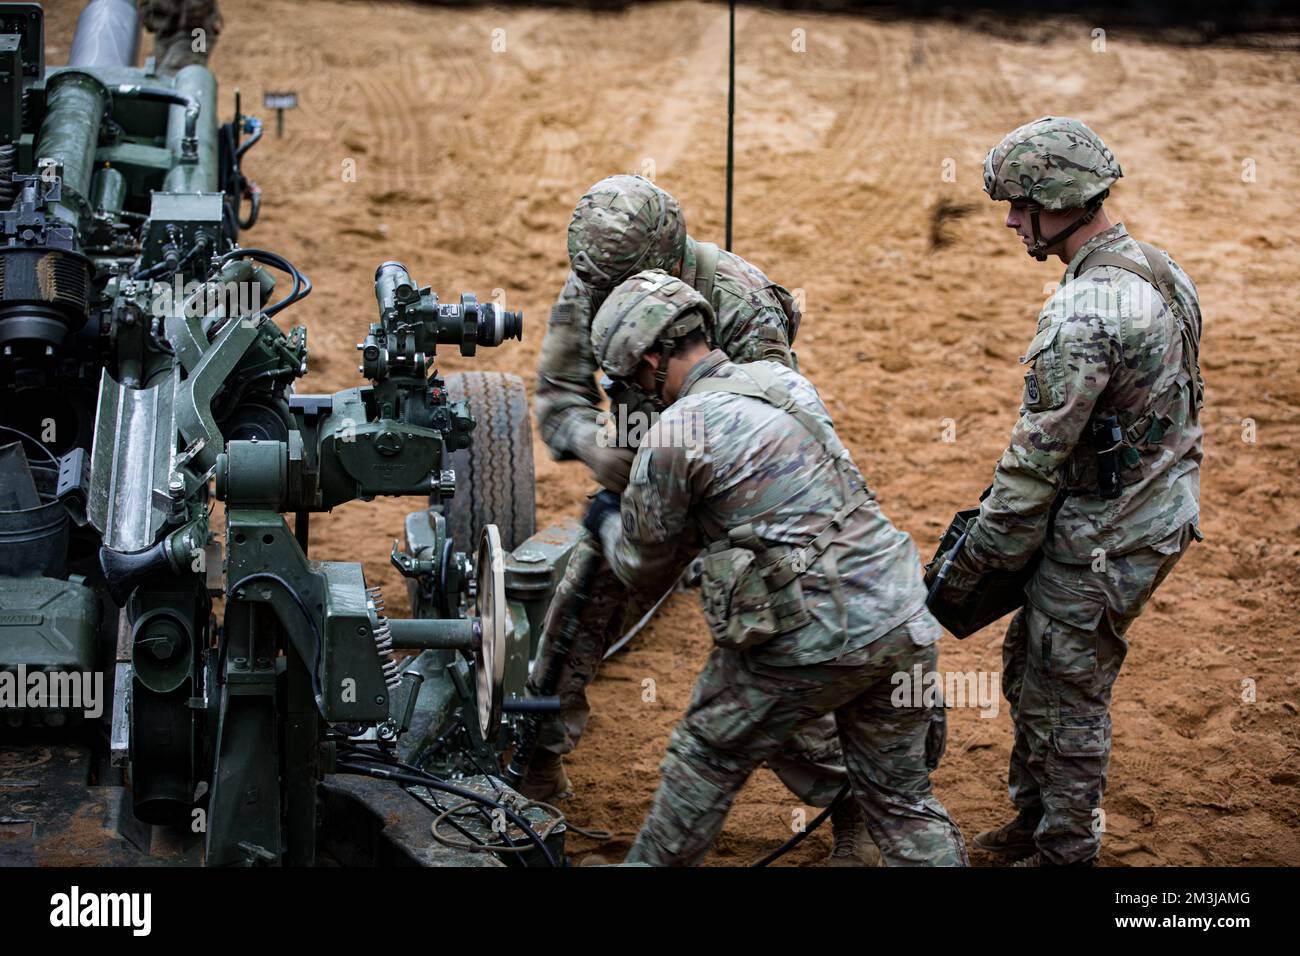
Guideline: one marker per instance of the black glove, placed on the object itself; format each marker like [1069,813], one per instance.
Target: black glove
[603,507]
[962,577]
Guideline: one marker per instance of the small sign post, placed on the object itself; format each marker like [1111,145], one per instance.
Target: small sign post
[280,102]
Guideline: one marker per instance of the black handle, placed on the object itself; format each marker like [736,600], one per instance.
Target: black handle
[532,705]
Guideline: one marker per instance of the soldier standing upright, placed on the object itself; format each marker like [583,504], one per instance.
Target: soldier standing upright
[624,224]
[813,597]
[1102,473]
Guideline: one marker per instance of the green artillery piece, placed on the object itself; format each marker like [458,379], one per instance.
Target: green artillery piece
[255,707]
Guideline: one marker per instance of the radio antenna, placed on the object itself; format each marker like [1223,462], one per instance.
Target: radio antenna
[731,109]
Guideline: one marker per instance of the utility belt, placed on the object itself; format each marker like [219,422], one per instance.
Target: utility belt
[751,590]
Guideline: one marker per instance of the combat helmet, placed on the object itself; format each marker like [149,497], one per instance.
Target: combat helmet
[1052,163]
[650,309]
[622,225]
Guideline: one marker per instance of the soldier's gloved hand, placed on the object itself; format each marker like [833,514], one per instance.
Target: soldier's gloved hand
[962,576]
[610,466]
[602,510]
[693,574]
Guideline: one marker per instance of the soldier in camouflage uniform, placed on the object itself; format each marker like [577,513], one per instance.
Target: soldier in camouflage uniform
[1102,474]
[813,598]
[623,224]
[173,22]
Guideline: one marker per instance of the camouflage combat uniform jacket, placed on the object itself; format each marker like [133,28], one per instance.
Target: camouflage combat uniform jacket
[754,463]
[756,319]
[749,463]
[1106,342]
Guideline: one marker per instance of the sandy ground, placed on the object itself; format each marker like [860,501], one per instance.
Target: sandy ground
[468,161]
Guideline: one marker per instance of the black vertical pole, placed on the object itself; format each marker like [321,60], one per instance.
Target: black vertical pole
[731,108]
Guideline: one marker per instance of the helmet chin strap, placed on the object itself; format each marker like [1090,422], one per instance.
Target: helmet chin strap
[1040,245]
[666,347]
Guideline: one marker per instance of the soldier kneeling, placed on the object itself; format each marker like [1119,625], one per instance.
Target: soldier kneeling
[814,599]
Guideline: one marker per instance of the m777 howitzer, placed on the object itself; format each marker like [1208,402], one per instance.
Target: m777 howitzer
[206,689]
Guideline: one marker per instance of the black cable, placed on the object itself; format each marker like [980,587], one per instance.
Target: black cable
[159,268]
[491,779]
[459,727]
[200,244]
[435,807]
[152,272]
[430,804]
[384,772]
[248,144]
[13,431]
[395,762]
[302,285]
[430,782]
[302,606]
[156,94]
[799,837]
[480,811]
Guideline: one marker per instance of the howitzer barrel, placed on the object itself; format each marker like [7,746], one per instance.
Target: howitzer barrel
[108,32]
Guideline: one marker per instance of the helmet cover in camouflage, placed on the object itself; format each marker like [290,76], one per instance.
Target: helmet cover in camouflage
[1056,162]
[622,225]
[646,309]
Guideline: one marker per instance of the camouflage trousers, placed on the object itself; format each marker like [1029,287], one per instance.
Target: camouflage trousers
[811,764]
[173,23]
[1062,653]
[743,712]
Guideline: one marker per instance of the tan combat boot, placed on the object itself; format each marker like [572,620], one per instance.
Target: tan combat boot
[1014,840]
[546,781]
[851,841]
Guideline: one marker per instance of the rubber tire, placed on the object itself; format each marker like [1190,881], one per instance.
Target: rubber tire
[494,476]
